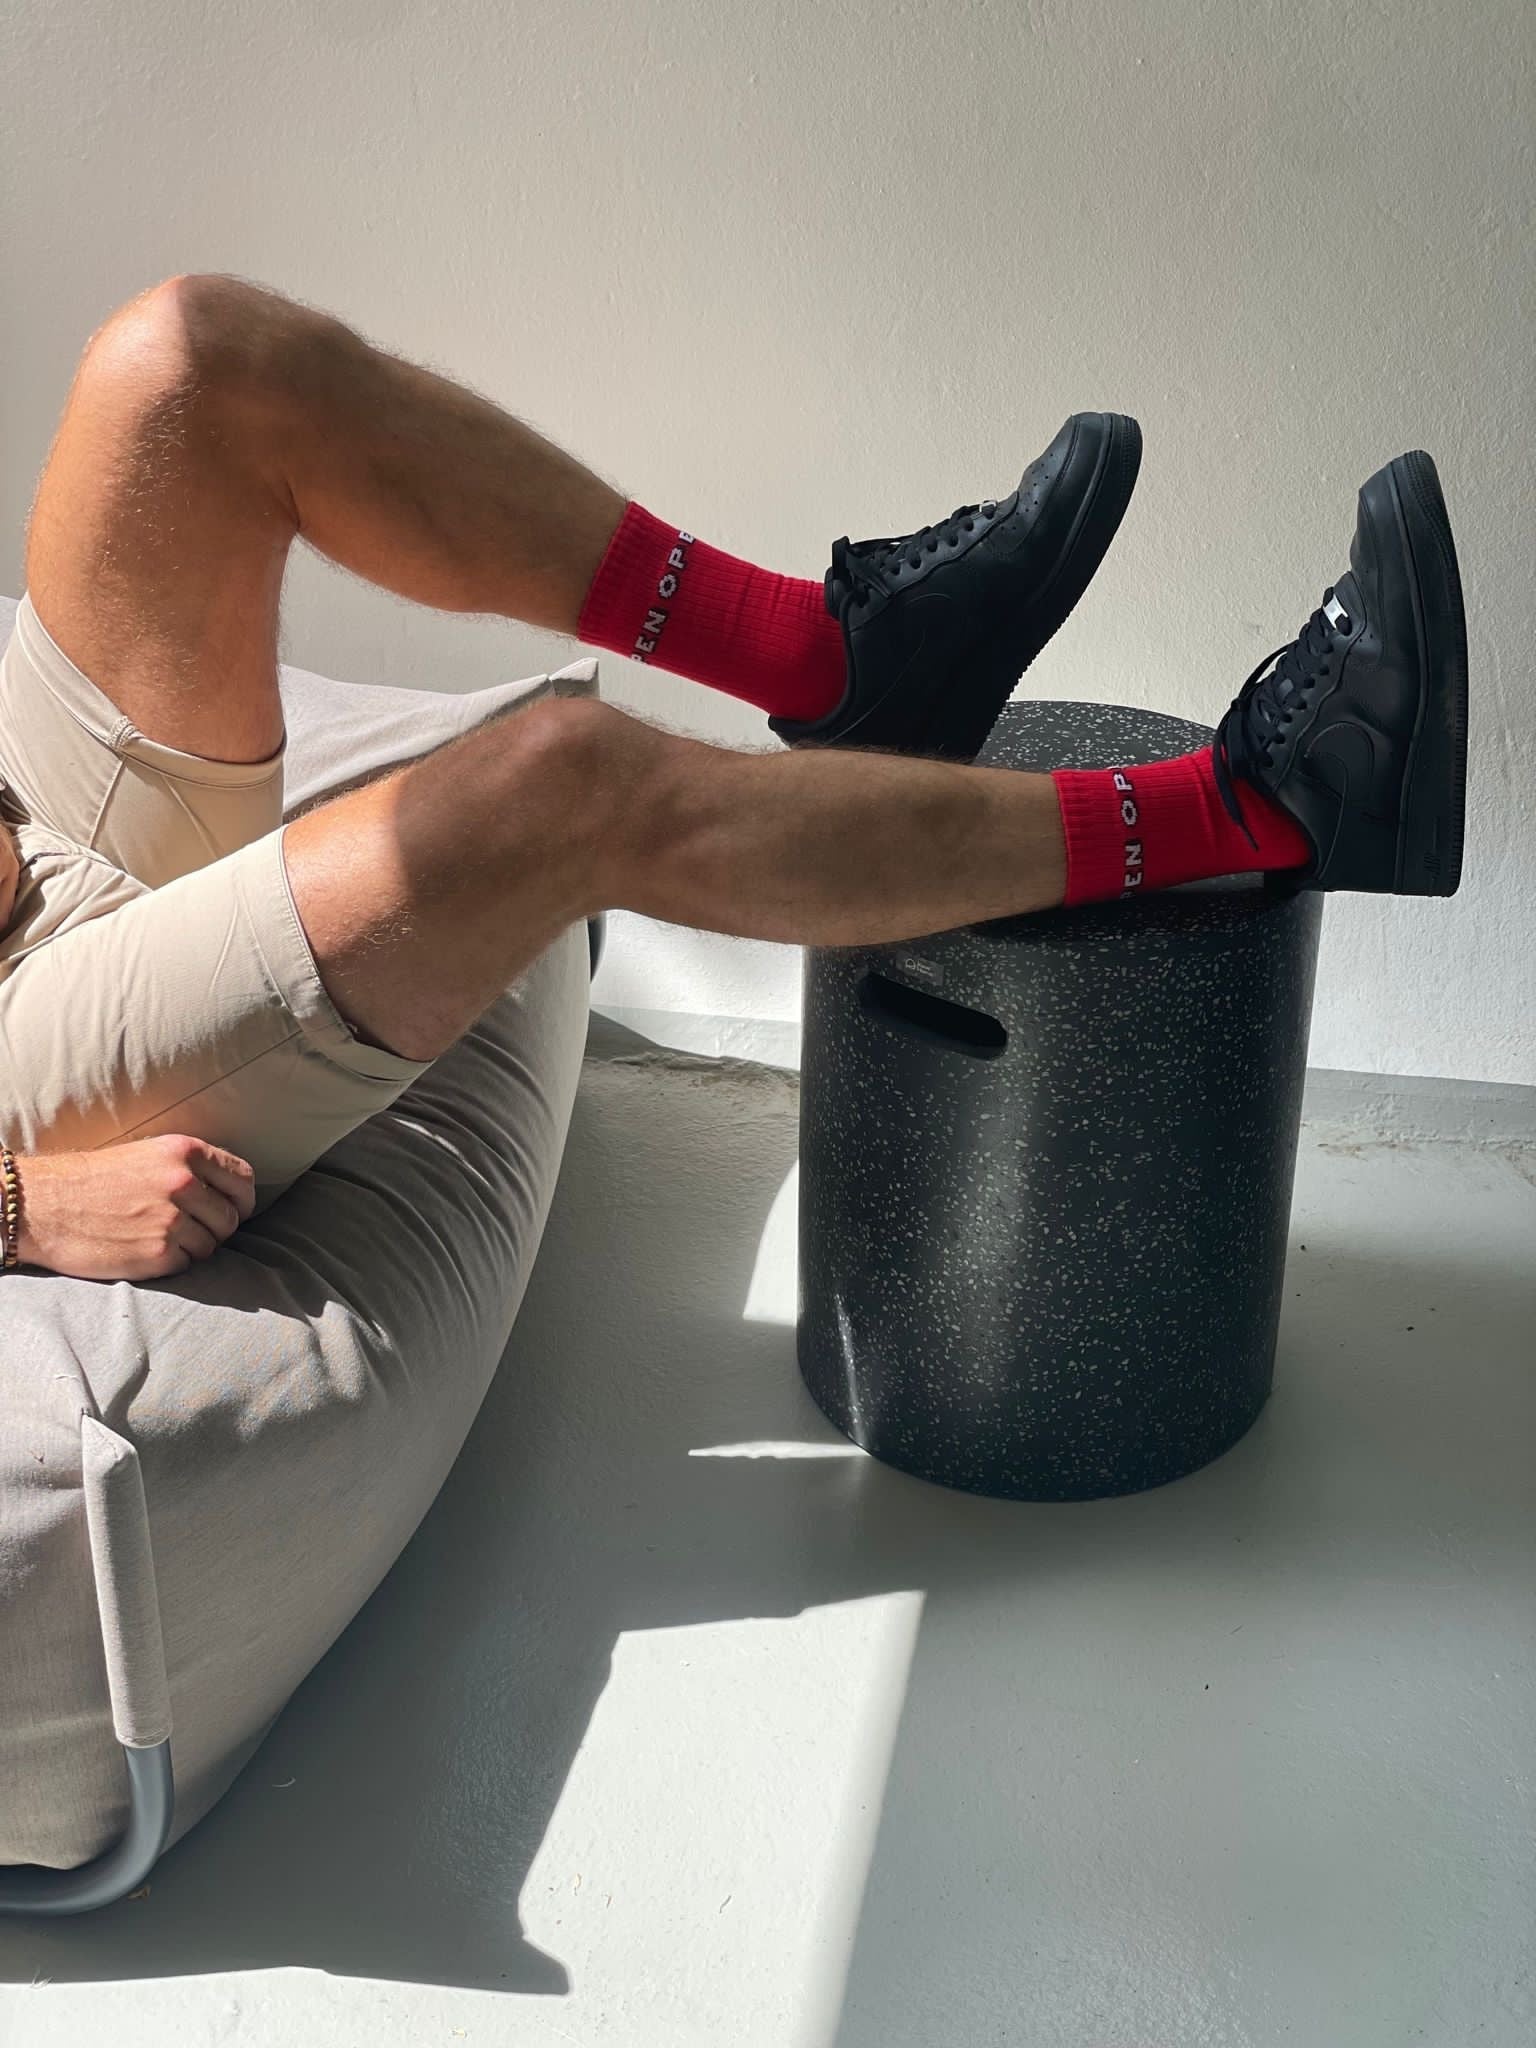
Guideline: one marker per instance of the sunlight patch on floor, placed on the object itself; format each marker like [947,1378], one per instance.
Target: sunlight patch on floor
[771,1295]
[692,1836]
[778,1450]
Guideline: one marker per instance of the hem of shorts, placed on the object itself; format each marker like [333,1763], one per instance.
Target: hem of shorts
[94,712]
[294,973]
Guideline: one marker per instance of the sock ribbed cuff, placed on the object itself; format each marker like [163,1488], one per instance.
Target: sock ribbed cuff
[1152,826]
[661,595]
[1102,825]
[637,582]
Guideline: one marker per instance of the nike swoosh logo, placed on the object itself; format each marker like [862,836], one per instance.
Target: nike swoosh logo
[1348,747]
[914,660]
[1342,759]
[932,617]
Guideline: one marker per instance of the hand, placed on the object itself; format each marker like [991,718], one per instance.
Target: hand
[10,870]
[136,1211]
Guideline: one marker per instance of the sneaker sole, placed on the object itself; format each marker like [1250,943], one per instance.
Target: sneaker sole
[994,673]
[1431,829]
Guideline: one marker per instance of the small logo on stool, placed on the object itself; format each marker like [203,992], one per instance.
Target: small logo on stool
[1130,817]
[925,971]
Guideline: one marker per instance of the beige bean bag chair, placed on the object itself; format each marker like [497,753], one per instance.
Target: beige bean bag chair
[203,1478]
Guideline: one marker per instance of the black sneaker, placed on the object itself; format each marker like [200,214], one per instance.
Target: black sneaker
[1360,730]
[940,625]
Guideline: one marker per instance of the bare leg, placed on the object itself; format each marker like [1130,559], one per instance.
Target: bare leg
[209,425]
[426,892]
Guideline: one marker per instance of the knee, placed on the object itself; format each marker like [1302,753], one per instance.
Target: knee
[575,773]
[211,338]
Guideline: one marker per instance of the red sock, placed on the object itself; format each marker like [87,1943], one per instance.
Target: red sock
[659,595]
[1147,828]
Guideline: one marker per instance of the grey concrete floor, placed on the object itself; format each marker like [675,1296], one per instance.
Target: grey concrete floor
[680,1723]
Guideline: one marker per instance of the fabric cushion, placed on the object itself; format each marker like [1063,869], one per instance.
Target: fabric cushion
[294,1402]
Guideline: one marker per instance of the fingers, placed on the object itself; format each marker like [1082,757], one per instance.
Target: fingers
[230,1174]
[216,1193]
[206,1211]
[194,1238]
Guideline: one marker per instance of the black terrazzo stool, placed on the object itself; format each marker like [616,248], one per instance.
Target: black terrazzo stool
[1046,1168]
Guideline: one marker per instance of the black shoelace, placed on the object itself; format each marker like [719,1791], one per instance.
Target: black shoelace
[858,564]
[1266,704]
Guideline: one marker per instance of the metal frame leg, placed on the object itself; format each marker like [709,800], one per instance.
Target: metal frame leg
[32,1888]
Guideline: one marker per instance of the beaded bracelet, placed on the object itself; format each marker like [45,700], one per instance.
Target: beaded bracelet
[10,1208]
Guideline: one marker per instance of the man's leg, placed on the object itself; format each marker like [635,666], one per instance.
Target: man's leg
[213,420]
[210,424]
[424,893]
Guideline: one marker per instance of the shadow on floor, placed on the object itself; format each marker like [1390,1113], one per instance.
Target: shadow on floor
[386,1828]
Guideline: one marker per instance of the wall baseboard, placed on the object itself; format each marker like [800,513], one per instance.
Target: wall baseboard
[1420,1107]
[1416,1107]
[770,1041]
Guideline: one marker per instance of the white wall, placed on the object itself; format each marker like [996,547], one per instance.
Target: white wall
[792,270]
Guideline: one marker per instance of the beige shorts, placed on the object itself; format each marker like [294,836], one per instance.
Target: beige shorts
[154,975]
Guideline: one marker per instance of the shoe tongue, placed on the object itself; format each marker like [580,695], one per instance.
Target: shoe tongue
[1345,604]
[1342,610]
[836,584]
